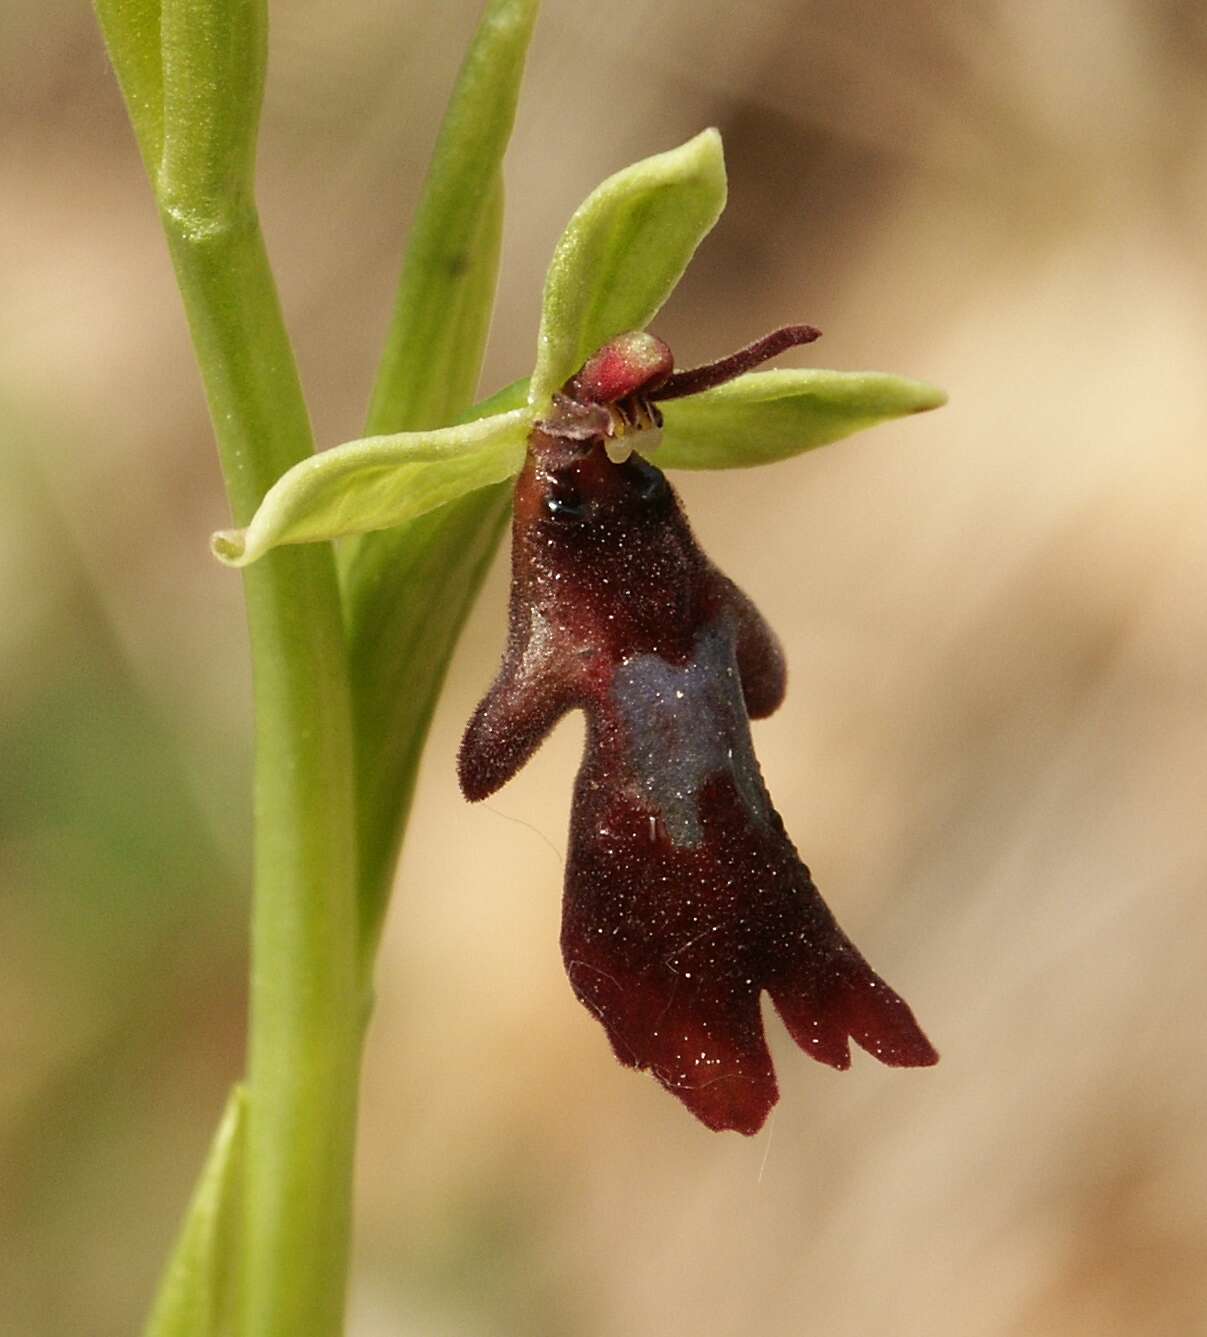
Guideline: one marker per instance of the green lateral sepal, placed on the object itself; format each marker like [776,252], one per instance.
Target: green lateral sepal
[378,482]
[766,416]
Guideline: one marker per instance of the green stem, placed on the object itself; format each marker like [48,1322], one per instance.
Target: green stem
[304,1046]
[192,72]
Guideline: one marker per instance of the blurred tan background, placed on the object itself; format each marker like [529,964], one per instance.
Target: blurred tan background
[993,754]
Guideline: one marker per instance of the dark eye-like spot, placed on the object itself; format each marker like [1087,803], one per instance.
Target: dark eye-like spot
[651,483]
[566,506]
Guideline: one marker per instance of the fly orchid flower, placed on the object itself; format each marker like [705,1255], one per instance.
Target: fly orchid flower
[684,897]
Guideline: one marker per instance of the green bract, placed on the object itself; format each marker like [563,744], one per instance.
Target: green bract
[433,354]
[613,268]
[200,1292]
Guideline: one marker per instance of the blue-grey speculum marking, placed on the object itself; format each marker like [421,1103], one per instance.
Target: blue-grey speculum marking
[685,725]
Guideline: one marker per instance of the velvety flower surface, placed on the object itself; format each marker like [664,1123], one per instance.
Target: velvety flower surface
[684,897]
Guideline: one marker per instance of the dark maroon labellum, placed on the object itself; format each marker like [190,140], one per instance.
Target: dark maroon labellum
[684,897]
